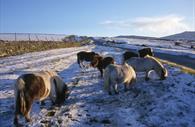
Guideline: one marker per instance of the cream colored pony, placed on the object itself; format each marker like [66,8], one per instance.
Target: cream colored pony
[37,86]
[147,64]
[116,74]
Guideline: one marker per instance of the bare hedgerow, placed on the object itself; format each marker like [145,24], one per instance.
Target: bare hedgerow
[20,47]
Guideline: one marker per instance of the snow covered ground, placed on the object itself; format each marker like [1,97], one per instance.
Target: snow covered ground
[167,103]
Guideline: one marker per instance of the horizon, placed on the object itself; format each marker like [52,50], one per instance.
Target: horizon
[156,18]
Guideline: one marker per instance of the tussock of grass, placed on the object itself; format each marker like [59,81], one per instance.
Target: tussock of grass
[183,68]
[21,47]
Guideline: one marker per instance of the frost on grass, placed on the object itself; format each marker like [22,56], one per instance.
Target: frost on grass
[162,103]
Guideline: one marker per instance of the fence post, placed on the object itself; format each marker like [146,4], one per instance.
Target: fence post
[29,37]
[15,36]
[37,37]
[46,38]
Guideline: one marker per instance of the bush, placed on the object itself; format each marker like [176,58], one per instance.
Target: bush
[21,47]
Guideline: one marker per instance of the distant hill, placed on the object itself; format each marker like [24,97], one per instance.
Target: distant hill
[135,37]
[187,35]
[141,37]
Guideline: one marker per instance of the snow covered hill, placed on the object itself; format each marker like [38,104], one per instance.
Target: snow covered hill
[153,103]
[187,35]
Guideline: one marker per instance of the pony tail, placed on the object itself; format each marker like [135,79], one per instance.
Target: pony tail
[20,97]
[78,59]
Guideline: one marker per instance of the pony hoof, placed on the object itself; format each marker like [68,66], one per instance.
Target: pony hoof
[42,103]
[146,79]
[28,120]
[116,92]
[15,122]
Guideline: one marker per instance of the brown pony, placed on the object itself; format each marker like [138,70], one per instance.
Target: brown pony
[37,86]
[85,56]
[101,63]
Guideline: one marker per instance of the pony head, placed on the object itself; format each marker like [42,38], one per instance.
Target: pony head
[146,51]
[96,60]
[62,91]
[158,67]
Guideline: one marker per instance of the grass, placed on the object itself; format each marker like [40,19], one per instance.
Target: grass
[20,47]
[183,68]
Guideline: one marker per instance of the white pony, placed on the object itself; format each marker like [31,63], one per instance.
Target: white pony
[147,64]
[116,74]
[37,86]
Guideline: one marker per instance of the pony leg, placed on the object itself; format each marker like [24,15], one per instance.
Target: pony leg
[116,89]
[146,77]
[27,117]
[101,72]
[125,87]
[29,102]
[16,119]
[109,90]
[42,103]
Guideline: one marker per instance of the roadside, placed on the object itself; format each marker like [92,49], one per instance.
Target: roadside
[183,60]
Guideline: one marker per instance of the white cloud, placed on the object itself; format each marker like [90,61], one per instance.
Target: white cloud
[151,26]
[117,24]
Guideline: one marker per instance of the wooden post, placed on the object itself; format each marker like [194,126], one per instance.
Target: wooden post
[36,37]
[29,37]
[46,38]
[15,36]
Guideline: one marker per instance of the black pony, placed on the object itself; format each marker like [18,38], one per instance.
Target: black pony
[128,54]
[85,56]
[146,51]
[142,53]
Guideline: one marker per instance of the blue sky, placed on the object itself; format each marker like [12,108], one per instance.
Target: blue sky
[97,17]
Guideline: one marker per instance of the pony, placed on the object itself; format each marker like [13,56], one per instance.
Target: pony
[101,63]
[128,54]
[141,53]
[147,64]
[85,56]
[146,51]
[116,74]
[37,86]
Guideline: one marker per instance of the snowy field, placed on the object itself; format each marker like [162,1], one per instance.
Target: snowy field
[155,103]
[161,46]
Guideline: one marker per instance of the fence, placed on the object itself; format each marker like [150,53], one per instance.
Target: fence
[31,37]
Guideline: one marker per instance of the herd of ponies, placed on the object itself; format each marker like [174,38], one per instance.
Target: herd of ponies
[41,85]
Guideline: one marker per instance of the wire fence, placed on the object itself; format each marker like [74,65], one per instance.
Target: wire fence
[31,37]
